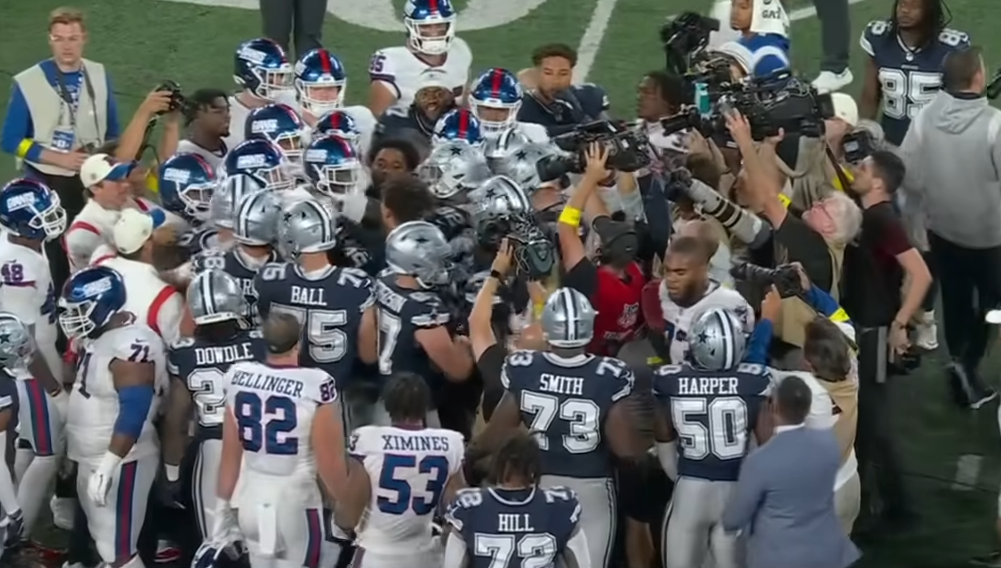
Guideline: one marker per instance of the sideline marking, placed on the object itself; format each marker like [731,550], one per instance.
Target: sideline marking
[590,43]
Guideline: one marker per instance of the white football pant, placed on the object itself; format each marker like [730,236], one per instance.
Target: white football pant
[41,424]
[428,559]
[693,526]
[598,513]
[281,519]
[115,526]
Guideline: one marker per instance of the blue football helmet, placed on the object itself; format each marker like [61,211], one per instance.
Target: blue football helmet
[458,124]
[187,182]
[495,99]
[332,165]
[17,346]
[280,124]
[262,160]
[31,210]
[424,20]
[338,123]
[260,66]
[320,81]
[90,299]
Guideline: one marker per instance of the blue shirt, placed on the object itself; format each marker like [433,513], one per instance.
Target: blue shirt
[17,125]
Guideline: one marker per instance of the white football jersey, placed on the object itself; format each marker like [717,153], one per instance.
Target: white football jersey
[274,408]
[401,69]
[26,290]
[238,113]
[93,404]
[418,464]
[366,122]
[533,132]
[679,320]
[214,159]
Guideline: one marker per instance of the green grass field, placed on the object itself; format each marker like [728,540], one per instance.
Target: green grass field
[145,41]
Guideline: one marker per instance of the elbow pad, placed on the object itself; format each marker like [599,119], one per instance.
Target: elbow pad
[133,407]
[667,455]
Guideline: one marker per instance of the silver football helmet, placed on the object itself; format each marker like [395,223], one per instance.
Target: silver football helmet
[307,227]
[520,162]
[225,198]
[17,346]
[255,221]
[419,249]
[215,296]
[496,147]
[716,340]
[500,197]
[568,319]
[452,168]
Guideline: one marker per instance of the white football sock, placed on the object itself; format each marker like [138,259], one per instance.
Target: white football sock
[22,459]
[33,491]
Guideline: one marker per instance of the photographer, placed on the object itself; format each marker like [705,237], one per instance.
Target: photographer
[614,285]
[551,100]
[207,118]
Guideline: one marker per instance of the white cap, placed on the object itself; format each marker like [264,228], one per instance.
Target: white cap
[432,77]
[845,108]
[993,316]
[100,167]
[134,228]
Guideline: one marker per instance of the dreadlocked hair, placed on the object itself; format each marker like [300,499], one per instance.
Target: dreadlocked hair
[406,397]
[936,17]
[518,456]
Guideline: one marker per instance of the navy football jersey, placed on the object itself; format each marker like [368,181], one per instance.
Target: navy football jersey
[403,312]
[512,528]
[8,397]
[200,364]
[909,79]
[329,305]
[198,239]
[712,412]
[575,106]
[564,402]
[234,263]
[361,247]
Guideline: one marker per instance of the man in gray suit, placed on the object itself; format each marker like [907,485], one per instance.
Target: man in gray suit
[783,500]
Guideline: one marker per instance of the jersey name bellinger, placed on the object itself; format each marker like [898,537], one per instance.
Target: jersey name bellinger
[689,386]
[281,385]
[223,354]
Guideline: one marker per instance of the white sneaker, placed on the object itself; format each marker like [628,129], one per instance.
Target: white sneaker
[829,81]
[926,332]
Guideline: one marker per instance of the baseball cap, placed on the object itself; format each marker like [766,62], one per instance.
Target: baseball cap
[845,108]
[134,228]
[100,167]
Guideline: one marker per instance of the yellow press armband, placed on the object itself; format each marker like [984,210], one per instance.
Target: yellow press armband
[785,200]
[24,147]
[570,216]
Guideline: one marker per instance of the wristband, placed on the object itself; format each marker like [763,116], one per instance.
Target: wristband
[570,216]
[496,275]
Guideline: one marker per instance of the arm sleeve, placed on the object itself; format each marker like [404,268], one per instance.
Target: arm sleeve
[114,127]
[761,339]
[455,551]
[15,138]
[169,318]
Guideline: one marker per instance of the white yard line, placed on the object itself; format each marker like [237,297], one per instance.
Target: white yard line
[590,43]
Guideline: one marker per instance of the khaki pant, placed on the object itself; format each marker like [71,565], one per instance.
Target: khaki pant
[847,502]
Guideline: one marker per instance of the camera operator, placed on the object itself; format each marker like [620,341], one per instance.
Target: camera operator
[613,285]
[551,99]
[874,275]
[432,100]
[662,95]
[206,115]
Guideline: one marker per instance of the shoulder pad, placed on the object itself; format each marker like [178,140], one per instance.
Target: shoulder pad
[182,343]
[137,344]
[356,277]
[877,28]
[667,370]
[273,271]
[466,500]
[752,369]
[520,358]
[954,38]
[255,334]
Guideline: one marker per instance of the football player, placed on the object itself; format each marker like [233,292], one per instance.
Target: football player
[517,522]
[282,431]
[196,366]
[320,84]
[711,404]
[413,336]
[110,431]
[255,229]
[458,124]
[16,349]
[334,304]
[394,72]
[495,98]
[687,291]
[223,204]
[281,125]
[904,67]
[425,466]
[186,183]
[263,161]
[30,215]
[265,76]
[572,402]
[332,166]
